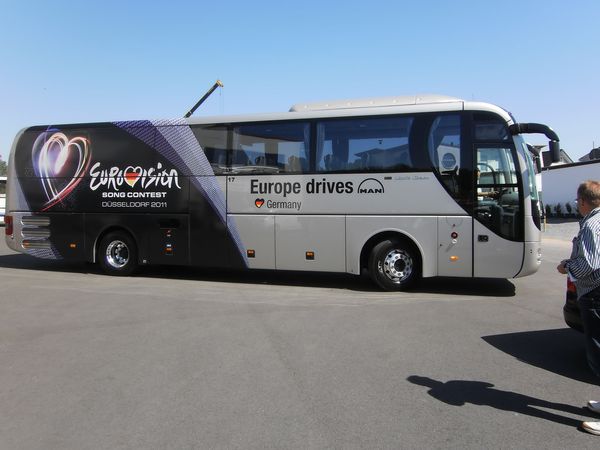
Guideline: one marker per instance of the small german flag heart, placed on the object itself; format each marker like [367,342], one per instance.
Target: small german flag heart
[132,175]
[259,202]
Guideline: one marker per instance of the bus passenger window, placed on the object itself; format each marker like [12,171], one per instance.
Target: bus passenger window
[213,140]
[444,150]
[271,148]
[367,144]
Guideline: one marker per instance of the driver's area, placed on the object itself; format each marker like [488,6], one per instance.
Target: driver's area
[497,189]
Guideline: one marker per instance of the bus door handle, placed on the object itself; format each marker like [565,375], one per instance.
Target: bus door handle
[483,238]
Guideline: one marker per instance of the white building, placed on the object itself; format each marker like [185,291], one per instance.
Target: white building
[560,182]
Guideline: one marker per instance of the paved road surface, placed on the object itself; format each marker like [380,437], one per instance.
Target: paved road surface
[180,358]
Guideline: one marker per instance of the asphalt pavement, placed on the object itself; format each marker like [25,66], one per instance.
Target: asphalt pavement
[180,358]
[562,229]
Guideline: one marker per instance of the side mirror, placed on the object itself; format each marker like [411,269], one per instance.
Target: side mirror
[554,150]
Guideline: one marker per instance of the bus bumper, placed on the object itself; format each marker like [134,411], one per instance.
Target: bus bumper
[532,259]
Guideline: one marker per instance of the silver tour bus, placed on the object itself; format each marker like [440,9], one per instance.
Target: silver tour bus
[401,187]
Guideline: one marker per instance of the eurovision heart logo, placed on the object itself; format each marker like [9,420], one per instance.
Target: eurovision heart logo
[132,175]
[60,163]
[259,202]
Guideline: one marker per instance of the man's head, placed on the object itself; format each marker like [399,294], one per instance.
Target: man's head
[588,196]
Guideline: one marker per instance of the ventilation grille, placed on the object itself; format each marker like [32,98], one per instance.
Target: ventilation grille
[35,232]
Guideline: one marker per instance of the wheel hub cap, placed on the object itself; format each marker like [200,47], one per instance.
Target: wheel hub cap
[117,254]
[397,266]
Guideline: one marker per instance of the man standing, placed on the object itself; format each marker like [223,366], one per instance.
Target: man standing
[584,269]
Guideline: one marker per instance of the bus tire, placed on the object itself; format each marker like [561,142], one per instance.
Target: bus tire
[394,265]
[117,254]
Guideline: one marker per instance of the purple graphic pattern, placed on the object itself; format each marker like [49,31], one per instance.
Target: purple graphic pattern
[44,253]
[175,141]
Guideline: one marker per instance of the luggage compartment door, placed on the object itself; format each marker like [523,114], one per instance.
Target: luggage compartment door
[257,233]
[297,236]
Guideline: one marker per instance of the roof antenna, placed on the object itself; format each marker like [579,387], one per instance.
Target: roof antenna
[210,91]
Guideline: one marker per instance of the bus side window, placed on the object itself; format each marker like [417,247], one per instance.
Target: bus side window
[498,205]
[213,141]
[444,150]
[271,147]
[490,128]
[365,144]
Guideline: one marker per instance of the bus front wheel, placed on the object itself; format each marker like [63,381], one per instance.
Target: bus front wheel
[394,266]
[117,254]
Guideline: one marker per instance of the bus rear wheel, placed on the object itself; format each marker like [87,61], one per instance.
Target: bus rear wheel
[394,266]
[117,254]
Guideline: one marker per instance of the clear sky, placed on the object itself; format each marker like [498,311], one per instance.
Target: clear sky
[93,61]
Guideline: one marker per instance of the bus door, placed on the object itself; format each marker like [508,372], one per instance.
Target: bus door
[451,159]
[497,227]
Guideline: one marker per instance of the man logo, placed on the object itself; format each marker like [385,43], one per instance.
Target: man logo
[370,186]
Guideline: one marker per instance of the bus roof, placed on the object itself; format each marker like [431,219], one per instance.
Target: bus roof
[409,104]
[364,107]
[375,102]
